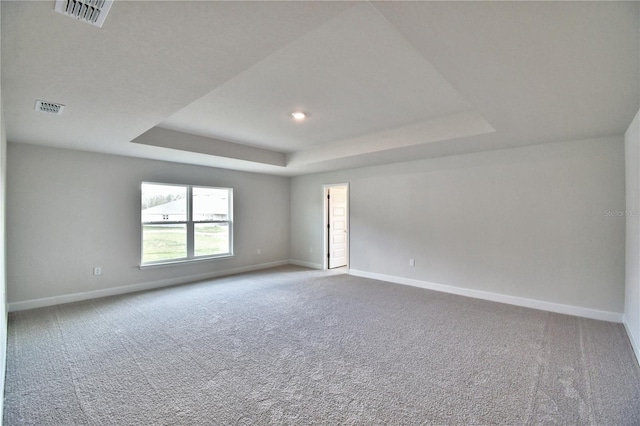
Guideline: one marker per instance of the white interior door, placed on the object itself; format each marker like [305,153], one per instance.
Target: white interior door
[337,226]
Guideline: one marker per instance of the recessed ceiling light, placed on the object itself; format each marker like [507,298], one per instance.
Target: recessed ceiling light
[298,115]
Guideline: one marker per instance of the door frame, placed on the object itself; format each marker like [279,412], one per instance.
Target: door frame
[325,221]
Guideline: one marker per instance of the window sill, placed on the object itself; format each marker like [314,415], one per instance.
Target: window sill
[183,261]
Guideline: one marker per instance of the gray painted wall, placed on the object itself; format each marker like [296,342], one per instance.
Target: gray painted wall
[632,288]
[3,276]
[538,222]
[68,211]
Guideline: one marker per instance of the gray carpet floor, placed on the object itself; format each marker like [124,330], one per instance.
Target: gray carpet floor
[296,346]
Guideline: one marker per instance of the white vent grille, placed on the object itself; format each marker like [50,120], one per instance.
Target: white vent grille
[92,12]
[49,107]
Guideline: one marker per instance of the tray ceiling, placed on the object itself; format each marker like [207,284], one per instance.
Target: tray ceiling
[214,83]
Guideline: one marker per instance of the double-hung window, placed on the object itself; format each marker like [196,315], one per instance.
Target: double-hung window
[185,222]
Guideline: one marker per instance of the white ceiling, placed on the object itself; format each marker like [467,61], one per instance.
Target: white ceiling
[213,83]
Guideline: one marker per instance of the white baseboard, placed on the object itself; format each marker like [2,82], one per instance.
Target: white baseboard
[635,342]
[478,294]
[305,264]
[76,297]
[497,297]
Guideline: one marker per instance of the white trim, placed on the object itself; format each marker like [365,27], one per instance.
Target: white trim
[305,264]
[635,344]
[75,297]
[496,297]
[189,226]
[185,261]
[325,221]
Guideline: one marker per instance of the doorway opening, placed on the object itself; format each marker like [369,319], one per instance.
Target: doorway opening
[336,226]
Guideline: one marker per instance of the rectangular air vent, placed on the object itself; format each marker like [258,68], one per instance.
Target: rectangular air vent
[49,107]
[92,12]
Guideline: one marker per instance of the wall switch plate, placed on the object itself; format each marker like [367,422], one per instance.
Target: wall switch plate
[259,251]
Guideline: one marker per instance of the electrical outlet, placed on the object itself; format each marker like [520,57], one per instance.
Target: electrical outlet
[259,251]
[97,270]
[310,249]
[412,262]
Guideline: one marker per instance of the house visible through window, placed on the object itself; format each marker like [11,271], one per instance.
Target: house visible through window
[184,222]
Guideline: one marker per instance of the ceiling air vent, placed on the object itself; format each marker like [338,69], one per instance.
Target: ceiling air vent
[92,12]
[49,107]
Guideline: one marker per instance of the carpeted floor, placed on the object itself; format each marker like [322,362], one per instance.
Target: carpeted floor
[297,346]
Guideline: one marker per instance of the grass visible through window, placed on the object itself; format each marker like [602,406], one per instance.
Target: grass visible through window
[166,242]
[211,239]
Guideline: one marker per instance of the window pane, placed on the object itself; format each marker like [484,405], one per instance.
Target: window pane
[211,239]
[164,242]
[164,203]
[210,204]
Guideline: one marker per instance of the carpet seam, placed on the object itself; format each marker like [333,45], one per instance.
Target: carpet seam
[63,342]
[584,358]
[533,409]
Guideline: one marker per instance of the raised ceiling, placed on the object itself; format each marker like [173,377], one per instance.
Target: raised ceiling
[214,83]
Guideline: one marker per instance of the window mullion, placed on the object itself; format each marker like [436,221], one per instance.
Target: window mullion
[190,227]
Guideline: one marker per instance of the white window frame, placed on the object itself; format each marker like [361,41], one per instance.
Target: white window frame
[190,226]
